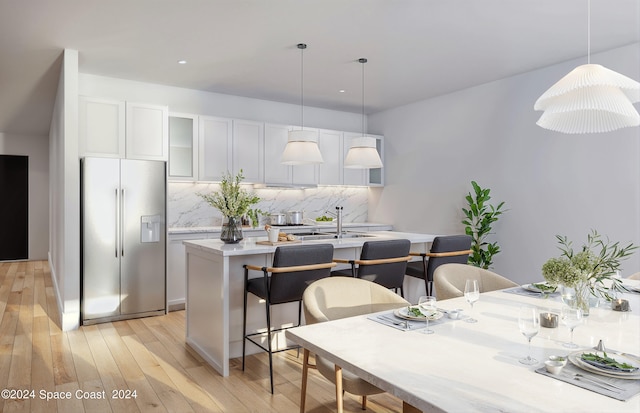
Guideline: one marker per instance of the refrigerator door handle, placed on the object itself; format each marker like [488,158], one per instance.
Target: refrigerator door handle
[117,222]
[122,221]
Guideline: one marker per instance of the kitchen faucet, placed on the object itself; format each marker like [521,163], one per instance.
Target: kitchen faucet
[338,215]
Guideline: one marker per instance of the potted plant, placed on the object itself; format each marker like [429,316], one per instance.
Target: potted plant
[233,202]
[479,216]
[589,271]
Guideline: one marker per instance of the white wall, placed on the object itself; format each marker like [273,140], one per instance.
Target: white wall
[64,183]
[552,183]
[37,149]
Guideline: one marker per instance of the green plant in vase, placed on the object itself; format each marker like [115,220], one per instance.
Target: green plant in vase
[590,270]
[233,202]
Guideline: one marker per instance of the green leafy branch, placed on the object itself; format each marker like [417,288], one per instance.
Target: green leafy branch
[232,200]
[595,262]
[479,217]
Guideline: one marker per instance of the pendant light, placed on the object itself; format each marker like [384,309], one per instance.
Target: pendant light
[590,98]
[302,145]
[363,153]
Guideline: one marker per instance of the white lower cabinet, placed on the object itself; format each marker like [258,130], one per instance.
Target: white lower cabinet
[176,270]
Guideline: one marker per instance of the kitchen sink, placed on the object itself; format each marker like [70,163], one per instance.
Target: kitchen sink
[311,236]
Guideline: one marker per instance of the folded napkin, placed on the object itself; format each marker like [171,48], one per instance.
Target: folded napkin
[388,318]
[607,363]
[521,291]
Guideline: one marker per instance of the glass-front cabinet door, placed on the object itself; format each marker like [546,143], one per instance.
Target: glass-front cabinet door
[183,150]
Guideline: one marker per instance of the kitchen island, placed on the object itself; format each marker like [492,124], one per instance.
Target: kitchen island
[215,291]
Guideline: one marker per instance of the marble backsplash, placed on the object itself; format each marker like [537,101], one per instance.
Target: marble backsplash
[186,209]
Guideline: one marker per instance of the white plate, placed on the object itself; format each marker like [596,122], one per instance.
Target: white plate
[621,357]
[534,289]
[404,313]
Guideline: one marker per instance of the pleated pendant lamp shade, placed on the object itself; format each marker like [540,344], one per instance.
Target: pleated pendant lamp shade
[302,145]
[302,148]
[590,99]
[363,153]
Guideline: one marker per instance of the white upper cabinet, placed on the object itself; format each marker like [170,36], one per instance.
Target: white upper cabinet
[376,175]
[102,127]
[248,150]
[147,132]
[118,129]
[330,171]
[183,147]
[215,142]
[275,140]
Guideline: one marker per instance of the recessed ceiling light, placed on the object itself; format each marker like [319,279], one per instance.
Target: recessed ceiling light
[341,90]
[182,62]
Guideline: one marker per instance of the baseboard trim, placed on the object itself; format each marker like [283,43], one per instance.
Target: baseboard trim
[68,321]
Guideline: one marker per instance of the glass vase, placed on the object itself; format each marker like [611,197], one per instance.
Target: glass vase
[231,230]
[577,296]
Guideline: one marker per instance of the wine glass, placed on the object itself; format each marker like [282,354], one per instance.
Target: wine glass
[471,294]
[529,323]
[568,295]
[427,305]
[571,317]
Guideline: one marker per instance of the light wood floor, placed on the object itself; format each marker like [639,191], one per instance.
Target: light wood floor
[146,355]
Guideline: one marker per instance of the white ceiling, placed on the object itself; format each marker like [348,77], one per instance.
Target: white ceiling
[416,48]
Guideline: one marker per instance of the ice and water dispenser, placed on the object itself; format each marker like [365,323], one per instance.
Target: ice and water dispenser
[150,228]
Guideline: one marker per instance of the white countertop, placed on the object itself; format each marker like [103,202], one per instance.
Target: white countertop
[248,245]
[327,226]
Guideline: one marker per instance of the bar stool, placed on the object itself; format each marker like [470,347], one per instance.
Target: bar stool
[444,250]
[293,269]
[382,262]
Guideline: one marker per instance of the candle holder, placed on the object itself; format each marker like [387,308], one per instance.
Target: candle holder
[620,304]
[549,320]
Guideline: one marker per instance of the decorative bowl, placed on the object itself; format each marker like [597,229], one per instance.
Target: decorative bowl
[554,367]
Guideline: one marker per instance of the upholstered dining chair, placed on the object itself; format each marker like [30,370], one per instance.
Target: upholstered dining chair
[340,297]
[449,280]
[293,269]
[383,262]
[444,250]
[634,276]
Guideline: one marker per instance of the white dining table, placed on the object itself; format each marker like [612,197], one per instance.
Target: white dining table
[474,367]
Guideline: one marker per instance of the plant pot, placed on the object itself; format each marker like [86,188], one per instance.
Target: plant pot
[231,230]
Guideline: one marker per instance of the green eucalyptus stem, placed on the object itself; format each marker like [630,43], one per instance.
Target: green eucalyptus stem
[232,200]
[594,264]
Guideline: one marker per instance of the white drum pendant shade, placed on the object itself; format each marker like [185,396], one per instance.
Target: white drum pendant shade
[590,99]
[302,148]
[363,154]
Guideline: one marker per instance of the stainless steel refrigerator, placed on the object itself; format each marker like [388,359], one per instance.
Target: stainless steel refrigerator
[123,228]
